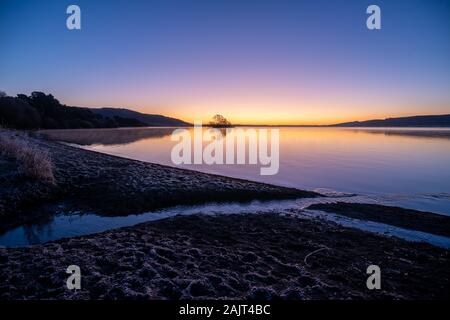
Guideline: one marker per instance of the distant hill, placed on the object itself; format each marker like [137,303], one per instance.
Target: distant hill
[44,111]
[155,120]
[415,121]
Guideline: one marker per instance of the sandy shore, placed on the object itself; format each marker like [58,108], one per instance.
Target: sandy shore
[262,256]
[404,218]
[109,185]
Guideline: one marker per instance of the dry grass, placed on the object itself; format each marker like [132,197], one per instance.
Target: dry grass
[33,162]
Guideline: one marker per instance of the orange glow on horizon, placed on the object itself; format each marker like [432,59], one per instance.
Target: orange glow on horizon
[268,112]
[268,118]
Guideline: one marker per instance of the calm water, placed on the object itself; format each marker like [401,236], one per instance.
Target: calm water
[407,167]
[64,224]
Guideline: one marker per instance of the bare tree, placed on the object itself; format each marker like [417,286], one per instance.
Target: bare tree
[219,121]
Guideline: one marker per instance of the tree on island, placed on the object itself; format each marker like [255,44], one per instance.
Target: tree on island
[219,121]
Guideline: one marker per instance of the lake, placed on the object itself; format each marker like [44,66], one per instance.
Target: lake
[408,167]
[392,166]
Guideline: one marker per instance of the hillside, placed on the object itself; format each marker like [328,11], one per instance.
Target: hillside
[148,119]
[44,111]
[414,121]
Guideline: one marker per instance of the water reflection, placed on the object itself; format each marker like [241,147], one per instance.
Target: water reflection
[413,132]
[34,233]
[408,165]
[115,136]
[70,224]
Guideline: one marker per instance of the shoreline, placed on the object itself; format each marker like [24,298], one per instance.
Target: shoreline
[113,186]
[262,255]
[410,219]
[238,256]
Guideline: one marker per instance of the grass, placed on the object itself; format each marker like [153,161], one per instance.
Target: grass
[33,161]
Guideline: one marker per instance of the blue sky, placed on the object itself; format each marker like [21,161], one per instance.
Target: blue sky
[253,61]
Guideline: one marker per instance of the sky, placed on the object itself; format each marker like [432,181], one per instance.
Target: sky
[253,61]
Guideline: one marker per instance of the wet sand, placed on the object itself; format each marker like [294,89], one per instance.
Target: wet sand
[404,218]
[263,256]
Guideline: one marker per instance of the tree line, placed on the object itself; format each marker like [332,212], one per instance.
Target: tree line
[44,111]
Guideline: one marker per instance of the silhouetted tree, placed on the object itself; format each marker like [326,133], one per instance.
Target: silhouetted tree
[17,113]
[40,110]
[219,121]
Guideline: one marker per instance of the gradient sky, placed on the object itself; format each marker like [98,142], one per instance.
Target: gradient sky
[254,61]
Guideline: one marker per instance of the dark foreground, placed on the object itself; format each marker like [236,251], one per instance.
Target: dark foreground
[261,256]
